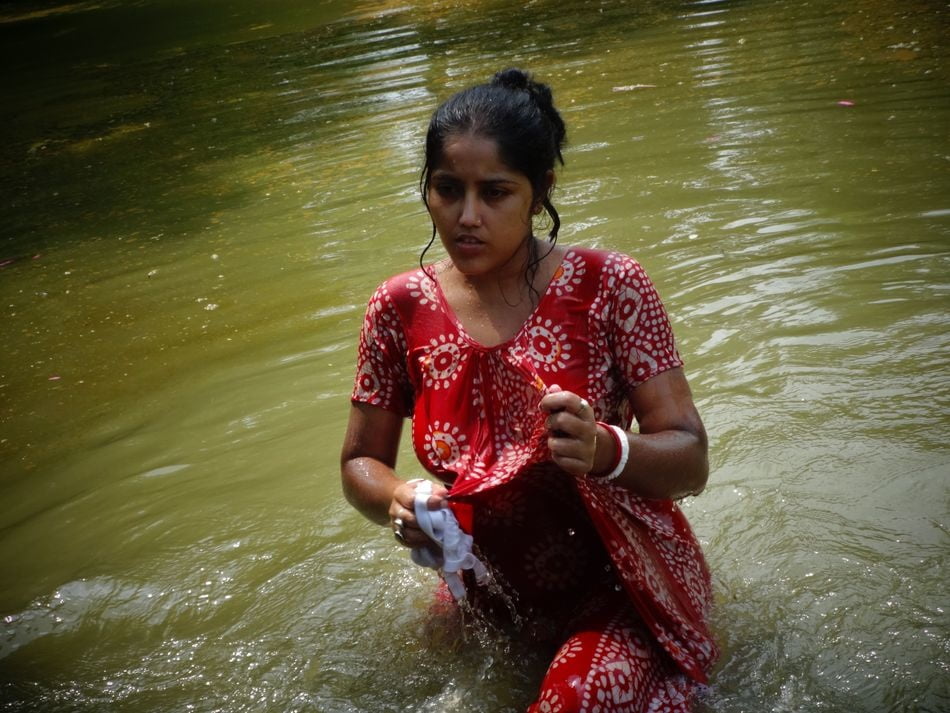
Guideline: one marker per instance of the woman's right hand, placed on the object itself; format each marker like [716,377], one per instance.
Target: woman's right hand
[369,478]
[402,516]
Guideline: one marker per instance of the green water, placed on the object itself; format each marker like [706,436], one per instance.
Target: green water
[196,200]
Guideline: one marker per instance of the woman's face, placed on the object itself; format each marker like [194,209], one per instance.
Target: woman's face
[481,208]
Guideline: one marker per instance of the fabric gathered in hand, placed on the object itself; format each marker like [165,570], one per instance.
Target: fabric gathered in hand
[443,529]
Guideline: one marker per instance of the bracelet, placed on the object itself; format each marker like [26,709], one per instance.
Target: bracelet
[623,452]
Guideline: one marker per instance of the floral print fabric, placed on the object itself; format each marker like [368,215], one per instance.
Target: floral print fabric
[599,330]
[610,664]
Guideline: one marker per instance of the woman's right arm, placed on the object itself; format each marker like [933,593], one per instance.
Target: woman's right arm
[368,460]
[367,466]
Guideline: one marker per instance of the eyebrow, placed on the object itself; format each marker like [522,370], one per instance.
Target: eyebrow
[443,173]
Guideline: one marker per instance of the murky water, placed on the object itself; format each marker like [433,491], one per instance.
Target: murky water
[198,198]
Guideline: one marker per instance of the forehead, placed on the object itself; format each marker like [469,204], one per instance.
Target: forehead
[470,155]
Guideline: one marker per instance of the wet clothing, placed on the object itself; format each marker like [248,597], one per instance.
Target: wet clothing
[617,580]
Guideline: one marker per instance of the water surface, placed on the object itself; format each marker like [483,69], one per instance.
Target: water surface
[198,199]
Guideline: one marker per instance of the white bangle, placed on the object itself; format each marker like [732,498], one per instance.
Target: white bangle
[621,438]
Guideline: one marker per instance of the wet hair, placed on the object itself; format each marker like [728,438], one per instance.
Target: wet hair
[518,114]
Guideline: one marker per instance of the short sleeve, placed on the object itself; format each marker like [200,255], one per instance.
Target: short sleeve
[381,375]
[641,336]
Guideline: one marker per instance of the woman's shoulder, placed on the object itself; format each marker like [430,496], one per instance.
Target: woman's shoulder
[599,255]
[610,265]
[407,292]
[408,284]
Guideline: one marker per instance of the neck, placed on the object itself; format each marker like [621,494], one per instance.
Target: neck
[510,282]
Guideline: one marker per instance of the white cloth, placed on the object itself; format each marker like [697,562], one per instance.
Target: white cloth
[443,528]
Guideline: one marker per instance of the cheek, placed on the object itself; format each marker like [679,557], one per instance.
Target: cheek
[521,216]
[439,208]
[440,218]
[435,212]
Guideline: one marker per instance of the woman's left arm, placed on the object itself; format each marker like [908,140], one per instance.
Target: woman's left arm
[667,458]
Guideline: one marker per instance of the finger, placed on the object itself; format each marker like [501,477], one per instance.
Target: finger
[404,500]
[407,533]
[399,530]
[566,425]
[403,515]
[584,409]
[570,448]
[574,466]
[405,496]
[436,502]
[564,422]
[558,401]
[567,401]
[414,537]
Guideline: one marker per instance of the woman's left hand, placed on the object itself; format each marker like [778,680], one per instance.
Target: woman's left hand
[572,431]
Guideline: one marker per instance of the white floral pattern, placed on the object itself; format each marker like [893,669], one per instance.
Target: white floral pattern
[548,344]
[445,444]
[422,288]
[569,651]
[613,670]
[599,330]
[441,361]
[569,275]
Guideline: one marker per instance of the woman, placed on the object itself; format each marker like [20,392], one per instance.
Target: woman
[521,364]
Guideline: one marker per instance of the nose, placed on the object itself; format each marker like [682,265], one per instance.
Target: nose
[470,217]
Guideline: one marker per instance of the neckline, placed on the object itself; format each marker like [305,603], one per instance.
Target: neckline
[443,301]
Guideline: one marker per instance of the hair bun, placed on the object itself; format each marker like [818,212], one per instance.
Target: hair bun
[519,80]
[512,78]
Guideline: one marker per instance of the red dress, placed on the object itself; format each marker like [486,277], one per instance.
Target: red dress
[617,580]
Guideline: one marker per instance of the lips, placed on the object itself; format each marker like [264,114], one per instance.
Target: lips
[468,246]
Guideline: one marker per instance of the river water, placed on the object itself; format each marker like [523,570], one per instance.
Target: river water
[199,197]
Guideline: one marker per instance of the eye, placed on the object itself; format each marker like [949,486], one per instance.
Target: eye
[446,189]
[494,193]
